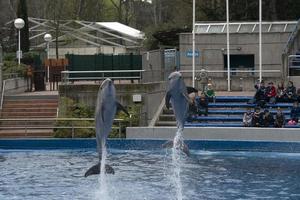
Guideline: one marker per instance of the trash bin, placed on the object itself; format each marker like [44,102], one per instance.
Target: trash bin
[39,80]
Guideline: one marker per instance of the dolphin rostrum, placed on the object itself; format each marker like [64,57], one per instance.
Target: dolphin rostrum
[105,112]
[177,94]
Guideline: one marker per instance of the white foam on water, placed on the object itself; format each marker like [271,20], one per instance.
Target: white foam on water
[177,163]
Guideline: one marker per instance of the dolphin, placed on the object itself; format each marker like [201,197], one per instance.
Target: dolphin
[178,96]
[105,112]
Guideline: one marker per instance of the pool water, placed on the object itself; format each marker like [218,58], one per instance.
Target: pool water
[147,175]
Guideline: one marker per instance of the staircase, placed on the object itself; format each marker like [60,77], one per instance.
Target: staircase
[226,112]
[28,116]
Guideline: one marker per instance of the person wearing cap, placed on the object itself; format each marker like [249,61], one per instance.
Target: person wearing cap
[279,119]
[271,93]
[268,119]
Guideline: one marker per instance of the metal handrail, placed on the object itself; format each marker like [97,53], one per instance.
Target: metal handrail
[2,94]
[65,75]
[240,71]
[72,127]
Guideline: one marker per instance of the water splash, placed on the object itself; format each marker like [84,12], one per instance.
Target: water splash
[177,163]
[103,192]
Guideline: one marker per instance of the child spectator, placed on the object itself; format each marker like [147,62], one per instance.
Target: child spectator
[268,119]
[257,118]
[290,92]
[271,93]
[280,92]
[247,118]
[279,119]
[295,112]
[210,93]
[202,104]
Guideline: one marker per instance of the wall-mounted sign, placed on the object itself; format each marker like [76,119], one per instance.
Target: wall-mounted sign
[189,53]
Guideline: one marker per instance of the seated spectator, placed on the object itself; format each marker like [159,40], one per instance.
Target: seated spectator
[271,93]
[280,92]
[202,104]
[295,112]
[247,118]
[298,95]
[260,95]
[279,119]
[290,95]
[257,118]
[192,112]
[210,93]
[268,119]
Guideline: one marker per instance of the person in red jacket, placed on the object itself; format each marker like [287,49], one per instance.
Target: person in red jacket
[271,93]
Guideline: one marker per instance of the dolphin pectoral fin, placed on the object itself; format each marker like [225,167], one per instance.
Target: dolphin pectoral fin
[120,107]
[168,144]
[96,170]
[184,148]
[168,97]
[186,96]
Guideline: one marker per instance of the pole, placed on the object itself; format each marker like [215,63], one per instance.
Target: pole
[19,51]
[260,41]
[193,55]
[228,50]
[48,70]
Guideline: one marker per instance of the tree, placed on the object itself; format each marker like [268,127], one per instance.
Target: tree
[22,13]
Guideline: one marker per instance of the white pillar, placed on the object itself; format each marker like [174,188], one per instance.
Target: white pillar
[48,68]
[260,41]
[193,48]
[19,48]
[228,48]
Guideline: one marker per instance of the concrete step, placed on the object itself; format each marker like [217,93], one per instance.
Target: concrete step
[39,109]
[166,123]
[30,105]
[28,123]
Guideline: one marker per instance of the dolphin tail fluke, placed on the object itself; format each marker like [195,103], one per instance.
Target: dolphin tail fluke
[96,170]
[184,148]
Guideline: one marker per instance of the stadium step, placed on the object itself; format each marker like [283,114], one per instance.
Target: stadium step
[227,111]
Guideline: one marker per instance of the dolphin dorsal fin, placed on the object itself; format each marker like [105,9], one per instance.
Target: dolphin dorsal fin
[120,107]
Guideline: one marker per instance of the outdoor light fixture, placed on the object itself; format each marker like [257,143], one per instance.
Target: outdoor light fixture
[19,24]
[48,38]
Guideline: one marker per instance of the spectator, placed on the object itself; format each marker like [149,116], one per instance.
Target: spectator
[247,118]
[280,92]
[202,104]
[192,112]
[257,118]
[210,93]
[295,112]
[29,78]
[260,95]
[268,119]
[290,95]
[298,95]
[271,93]
[279,119]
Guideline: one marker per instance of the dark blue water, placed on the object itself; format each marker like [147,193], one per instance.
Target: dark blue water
[146,175]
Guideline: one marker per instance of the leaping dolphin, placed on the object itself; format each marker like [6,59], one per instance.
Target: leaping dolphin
[177,94]
[105,112]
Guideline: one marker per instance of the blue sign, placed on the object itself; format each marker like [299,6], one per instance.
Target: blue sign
[189,53]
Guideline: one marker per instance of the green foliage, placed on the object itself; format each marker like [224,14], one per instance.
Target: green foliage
[132,120]
[12,67]
[68,108]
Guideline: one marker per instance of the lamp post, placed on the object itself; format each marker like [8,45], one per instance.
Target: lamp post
[48,38]
[19,24]
[193,44]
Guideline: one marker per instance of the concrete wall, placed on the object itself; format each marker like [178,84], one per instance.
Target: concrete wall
[212,48]
[214,133]
[153,63]
[15,86]
[152,95]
